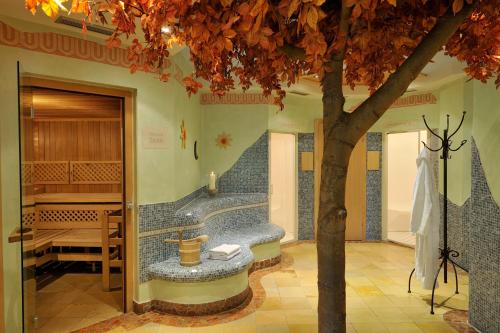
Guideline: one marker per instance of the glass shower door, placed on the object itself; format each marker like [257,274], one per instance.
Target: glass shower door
[27,210]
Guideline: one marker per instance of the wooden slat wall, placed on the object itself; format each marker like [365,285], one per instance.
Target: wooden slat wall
[78,140]
[57,104]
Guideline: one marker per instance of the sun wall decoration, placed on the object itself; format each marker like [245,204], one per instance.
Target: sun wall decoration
[183,136]
[223,140]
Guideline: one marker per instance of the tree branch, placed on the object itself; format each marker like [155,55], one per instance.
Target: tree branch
[374,107]
[333,97]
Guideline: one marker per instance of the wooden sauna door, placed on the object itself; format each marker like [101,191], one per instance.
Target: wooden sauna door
[355,189]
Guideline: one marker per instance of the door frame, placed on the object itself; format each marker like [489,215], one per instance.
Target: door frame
[128,95]
[296,202]
[2,321]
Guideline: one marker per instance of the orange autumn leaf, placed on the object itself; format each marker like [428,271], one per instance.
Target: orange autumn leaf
[457,5]
[350,3]
[165,77]
[51,7]
[292,7]
[226,3]
[191,85]
[248,42]
[230,33]
[356,12]
[81,6]
[312,17]
[31,5]
[113,41]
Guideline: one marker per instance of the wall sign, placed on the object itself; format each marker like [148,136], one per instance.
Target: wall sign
[154,138]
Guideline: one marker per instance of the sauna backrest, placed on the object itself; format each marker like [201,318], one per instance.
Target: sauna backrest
[71,172]
[68,216]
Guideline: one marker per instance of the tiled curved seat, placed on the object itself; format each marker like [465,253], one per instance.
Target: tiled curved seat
[209,270]
[230,218]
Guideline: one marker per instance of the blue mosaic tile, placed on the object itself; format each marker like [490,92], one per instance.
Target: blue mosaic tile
[161,215]
[484,250]
[153,249]
[155,216]
[305,190]
[458,229]
[374,205]
[246,227]
[239,218]
[374,191]
[374,141]
[195,211]
[250,174]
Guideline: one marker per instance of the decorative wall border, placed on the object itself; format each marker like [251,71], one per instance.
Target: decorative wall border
[62,45]
[235,98]
[71,47]
[412,100]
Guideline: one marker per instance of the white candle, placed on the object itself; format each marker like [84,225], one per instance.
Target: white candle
[211,181]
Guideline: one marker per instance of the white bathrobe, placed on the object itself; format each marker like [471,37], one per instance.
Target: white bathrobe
[425,222]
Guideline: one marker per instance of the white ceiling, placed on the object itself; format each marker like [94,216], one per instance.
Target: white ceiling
[442,70]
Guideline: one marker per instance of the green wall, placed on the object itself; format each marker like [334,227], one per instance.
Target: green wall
[297,116]
[485,130]
[162,175]
[246,123]
[409,118]
[452,102]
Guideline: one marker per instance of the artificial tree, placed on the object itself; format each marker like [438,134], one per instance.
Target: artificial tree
[383,44]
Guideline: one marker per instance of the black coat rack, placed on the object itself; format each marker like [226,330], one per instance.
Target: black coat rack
[446,252]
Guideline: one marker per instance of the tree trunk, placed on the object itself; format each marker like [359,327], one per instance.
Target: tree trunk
[339,142]
[341,132]
[331,237]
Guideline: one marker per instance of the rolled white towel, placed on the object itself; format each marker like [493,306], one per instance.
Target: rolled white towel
[225,249]
[224,257]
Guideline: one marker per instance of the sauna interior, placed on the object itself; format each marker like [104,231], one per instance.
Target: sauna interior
[72,199]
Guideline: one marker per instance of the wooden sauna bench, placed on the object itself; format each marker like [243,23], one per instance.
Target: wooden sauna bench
[86,198]
[67,238]
[60,224]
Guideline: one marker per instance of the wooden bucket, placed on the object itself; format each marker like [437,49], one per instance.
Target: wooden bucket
[190,253]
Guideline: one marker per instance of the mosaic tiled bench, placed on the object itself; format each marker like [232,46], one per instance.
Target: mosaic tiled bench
[215,286]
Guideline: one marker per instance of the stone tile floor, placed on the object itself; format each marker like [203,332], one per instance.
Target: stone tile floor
[285,299]
[402,237]
[76,300]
